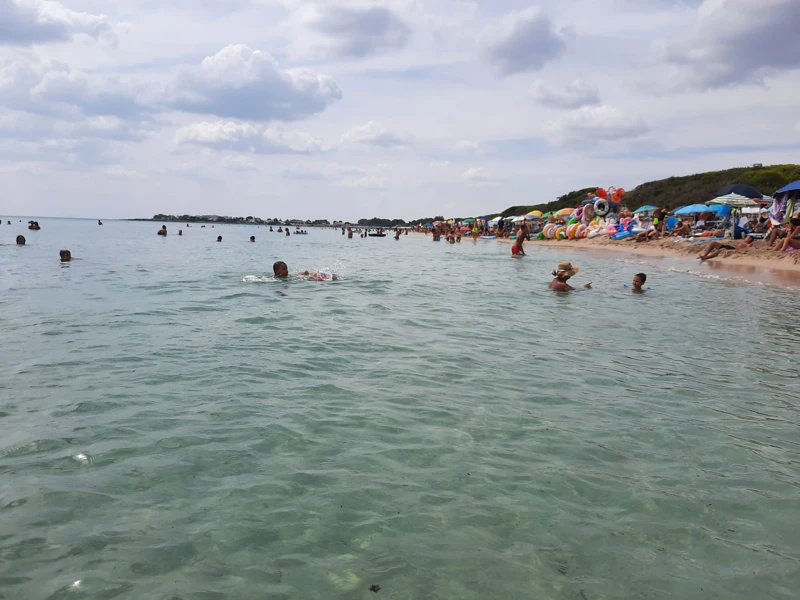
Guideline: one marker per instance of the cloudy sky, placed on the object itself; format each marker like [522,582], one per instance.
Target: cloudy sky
[343,109]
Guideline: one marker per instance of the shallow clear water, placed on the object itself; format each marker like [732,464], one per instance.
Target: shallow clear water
[437,423]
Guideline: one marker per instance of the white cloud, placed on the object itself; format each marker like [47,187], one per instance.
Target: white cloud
[468,146]
[439,164]
[239,163]
[737,42]
[479,177]
[242,83]
[356,31]
[600,123]
[521,41]
[374,134]
[120,172]
[24,22]
[247,137]
[324,172]
[362,183]
[575,95]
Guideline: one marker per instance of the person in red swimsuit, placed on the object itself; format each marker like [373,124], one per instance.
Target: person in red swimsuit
[522,235]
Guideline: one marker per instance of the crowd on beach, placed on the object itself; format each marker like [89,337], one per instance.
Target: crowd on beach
[721,228]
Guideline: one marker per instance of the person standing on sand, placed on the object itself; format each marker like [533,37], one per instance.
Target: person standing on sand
[563,274]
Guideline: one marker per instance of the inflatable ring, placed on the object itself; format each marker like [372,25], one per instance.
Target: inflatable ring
[582,231]
[601,207]
[561,233]
[549,231]
[572,231]
[540,236]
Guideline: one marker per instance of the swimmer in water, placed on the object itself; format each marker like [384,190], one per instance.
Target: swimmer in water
[270,227]
[280,270]
[252,238]
[180,231]
[563,274]
[638,281]
[287,231]
[66,255]
[219,238]
[20,240]
[162,231]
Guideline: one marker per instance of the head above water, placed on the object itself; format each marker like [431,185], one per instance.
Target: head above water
[279,269]
[219,238]
[20,240]
[252,238]
[565,270]
[65,255]
[639,280]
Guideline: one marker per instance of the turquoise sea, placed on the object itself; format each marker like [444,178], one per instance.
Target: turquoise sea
[436,423]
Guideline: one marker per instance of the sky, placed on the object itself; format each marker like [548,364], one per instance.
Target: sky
[348,109]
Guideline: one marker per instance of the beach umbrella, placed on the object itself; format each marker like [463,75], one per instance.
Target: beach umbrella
[748,191]
[735,201]
[644,209]
[530,217]
[470,220]
[518,219]
[428,224]
[535,213]
[692,209]
[565,212]
[792,187]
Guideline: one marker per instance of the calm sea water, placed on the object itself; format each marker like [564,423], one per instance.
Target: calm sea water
[436,423]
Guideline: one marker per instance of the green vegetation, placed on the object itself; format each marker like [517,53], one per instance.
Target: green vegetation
[680,191]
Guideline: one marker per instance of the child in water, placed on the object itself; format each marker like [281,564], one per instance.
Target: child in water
[281,271]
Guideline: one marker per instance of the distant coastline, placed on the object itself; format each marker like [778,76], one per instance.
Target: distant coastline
[249,220]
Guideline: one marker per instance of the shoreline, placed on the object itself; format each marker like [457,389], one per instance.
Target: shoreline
[757,264]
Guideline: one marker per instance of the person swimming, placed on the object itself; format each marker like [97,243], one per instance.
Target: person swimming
[99,222]
[252,238]
[20,240]
[162,231]
[288,233]
[280,269]
[563,274]
[66,255]
[638,281]
[180,231]
[219,238]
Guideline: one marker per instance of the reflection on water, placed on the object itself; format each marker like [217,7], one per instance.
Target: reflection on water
[437,424]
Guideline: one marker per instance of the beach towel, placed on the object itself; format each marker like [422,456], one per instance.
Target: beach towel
[708,239]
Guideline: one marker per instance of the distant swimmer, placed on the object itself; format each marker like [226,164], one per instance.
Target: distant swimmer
[180,231]
[280,229]
[270,227]
[20,240]
[162,231]
[219,238]
[288,232]
[33,225]
[349,233]
[252,238]
[563,274]
[522,235]
[9,222]
[99,222]
[342,230]
[66,255]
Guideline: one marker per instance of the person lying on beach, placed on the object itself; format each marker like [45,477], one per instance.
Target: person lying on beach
[563,274]
[646,236]
[715,248]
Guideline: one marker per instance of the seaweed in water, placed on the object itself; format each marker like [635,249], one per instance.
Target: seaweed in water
[375,588]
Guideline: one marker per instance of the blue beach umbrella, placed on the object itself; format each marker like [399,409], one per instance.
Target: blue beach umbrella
[792,187]
[693,209]
[428,224]
[644,209]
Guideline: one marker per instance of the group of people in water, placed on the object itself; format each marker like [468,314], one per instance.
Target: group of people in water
[64,255]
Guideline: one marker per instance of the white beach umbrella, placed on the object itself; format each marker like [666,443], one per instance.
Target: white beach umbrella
[519,219]
[734,201]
